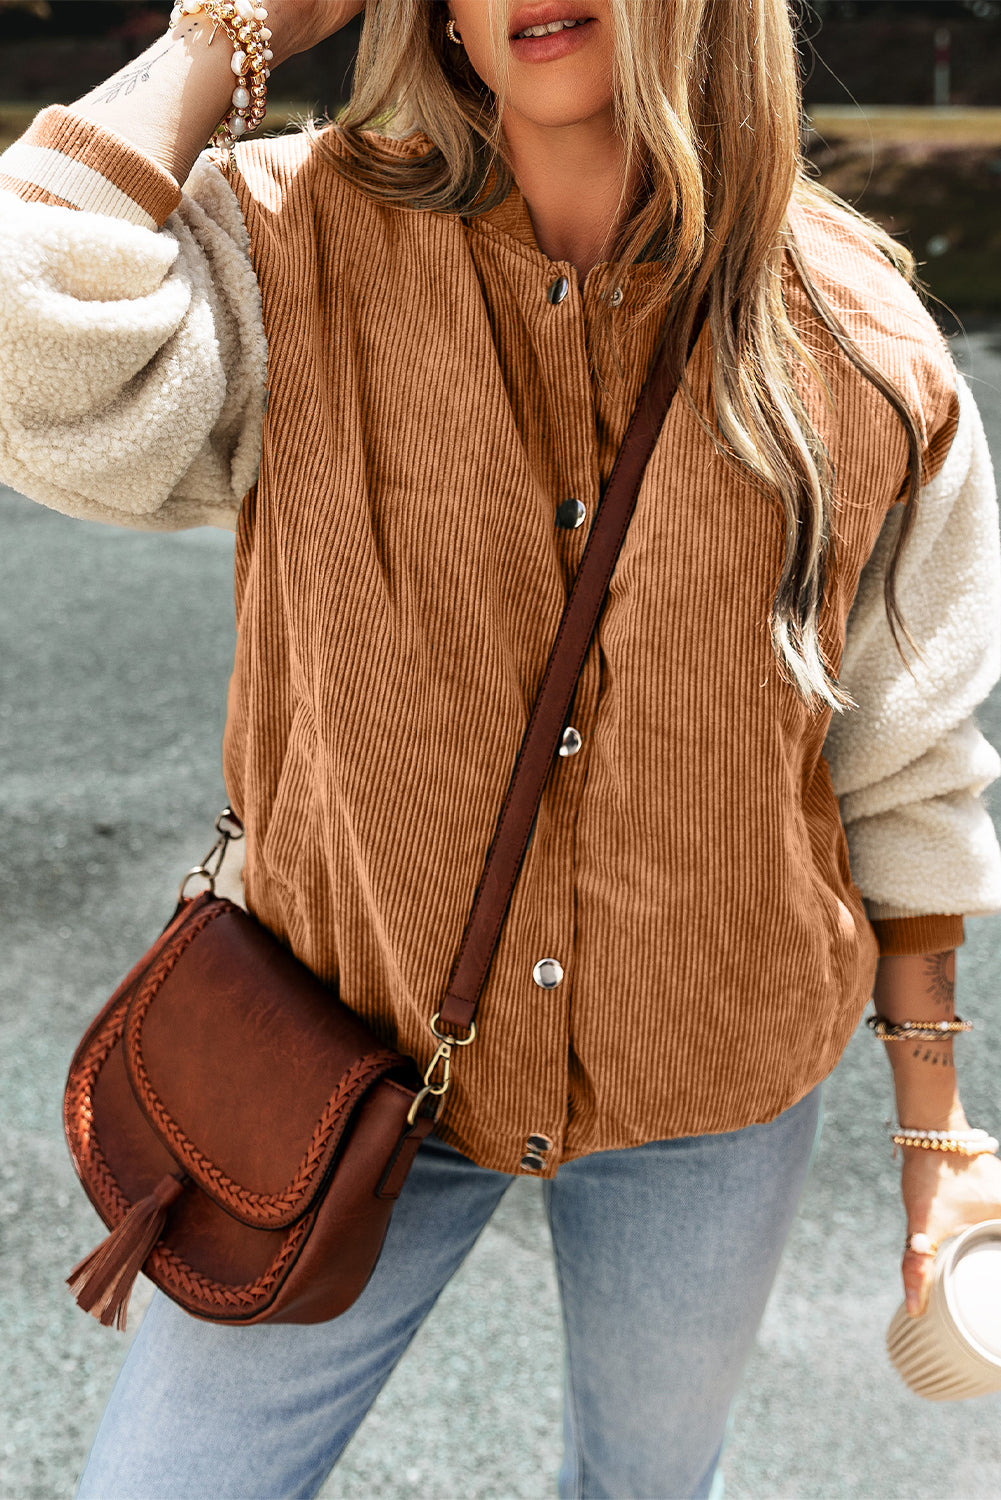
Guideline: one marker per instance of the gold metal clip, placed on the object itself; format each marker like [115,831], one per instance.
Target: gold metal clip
[443,1055]
[208,870]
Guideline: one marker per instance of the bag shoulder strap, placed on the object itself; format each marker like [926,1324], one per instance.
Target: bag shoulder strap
[580,618]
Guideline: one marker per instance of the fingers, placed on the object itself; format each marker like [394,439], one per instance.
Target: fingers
[917,1267]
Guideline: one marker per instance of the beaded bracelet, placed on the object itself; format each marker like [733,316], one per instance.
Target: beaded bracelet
[243,23]
[916,1031]
[963,1142]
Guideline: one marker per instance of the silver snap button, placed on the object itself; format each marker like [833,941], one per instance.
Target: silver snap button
[571,741]
[548,973]
[558,290]
[616,296]
[570,514]
[532,1163]
[539,1143]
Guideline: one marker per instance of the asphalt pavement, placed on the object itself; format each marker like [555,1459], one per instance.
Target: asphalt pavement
[116,652]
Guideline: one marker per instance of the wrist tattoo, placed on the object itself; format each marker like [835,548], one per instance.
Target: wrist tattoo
[940,973]
[937,1055]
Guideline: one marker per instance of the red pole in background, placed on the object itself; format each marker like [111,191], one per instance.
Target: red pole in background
[943,67]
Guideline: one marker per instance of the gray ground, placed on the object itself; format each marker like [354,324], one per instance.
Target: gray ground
[117,649]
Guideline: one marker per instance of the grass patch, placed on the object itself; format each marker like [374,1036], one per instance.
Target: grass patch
[887,123]
[943,200]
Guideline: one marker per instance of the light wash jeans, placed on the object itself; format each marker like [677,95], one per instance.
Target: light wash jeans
[665,1255]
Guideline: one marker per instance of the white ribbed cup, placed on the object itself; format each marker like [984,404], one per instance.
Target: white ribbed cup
[954,1349]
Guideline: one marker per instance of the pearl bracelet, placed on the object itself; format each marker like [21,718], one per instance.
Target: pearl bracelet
[243,23]
[963,1142]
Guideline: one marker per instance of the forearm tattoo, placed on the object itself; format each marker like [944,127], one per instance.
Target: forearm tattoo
[940,973]
[940,978]
[939,1054]
[125,81]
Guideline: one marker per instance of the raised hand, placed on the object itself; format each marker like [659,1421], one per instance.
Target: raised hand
[298,25]
[168,101]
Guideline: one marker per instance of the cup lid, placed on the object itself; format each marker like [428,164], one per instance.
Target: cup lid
[972,1284]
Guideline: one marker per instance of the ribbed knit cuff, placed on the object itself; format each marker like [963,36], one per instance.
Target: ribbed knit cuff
[924,934]
[74,163]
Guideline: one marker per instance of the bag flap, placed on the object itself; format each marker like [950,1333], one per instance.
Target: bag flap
[245,1065]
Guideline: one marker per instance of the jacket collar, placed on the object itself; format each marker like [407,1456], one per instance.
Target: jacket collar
[512,220]
[511,217]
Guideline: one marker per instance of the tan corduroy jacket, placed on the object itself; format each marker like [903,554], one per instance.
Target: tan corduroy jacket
[686,949]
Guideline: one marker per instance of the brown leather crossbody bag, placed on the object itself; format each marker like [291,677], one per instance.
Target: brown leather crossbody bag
[240,1131]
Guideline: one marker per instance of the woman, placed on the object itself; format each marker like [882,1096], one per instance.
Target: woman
[400,365]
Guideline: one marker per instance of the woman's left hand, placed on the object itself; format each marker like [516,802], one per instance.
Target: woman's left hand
[943,1193]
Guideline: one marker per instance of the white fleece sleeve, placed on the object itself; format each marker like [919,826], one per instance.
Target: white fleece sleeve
[133,360]
[909,764]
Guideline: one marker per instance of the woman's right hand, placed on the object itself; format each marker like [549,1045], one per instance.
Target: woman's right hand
[298,25]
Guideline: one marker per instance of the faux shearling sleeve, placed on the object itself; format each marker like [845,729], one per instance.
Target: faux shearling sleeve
[909,764]
[133,359]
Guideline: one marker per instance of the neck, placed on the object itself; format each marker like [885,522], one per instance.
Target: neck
[571,177]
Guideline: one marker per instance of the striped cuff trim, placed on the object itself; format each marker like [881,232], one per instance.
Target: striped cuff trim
[924,934]
[86,166]
[30,192]
[71,182]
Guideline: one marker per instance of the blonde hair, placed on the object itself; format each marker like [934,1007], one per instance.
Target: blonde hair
[707,98]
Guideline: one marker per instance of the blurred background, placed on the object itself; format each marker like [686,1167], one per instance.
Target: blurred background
[116,648]
[903,108]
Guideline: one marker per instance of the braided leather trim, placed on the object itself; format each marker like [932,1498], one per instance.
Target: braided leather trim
[263,1210]
[165,1267]
[172,1273]
[169,1271]
[78,1100]
[78,1104]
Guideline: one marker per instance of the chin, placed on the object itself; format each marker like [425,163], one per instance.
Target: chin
[573,108]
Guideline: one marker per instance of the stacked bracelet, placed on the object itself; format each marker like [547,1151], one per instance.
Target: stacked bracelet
[243,22]
[915,1031]
[963,1142]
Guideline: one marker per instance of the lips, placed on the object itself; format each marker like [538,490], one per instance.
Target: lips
[550,10]
[552,45]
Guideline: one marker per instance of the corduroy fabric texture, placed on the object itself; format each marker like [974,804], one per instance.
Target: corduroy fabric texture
[396,603]
[400,575]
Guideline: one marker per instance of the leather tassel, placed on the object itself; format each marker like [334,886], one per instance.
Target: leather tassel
[104,1279]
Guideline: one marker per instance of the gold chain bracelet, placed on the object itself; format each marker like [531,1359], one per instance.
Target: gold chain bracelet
[915,1031]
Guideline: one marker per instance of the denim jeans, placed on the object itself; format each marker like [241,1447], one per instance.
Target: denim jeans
[665,1255]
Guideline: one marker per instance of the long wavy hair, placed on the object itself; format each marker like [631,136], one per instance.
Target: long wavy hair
[707,98]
